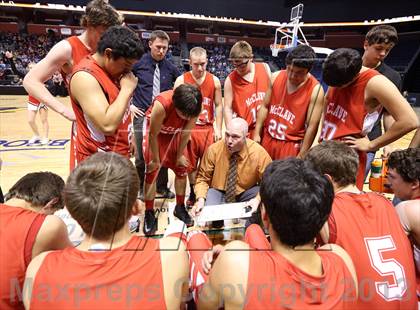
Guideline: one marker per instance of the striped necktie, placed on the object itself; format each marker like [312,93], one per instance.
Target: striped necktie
[156,82]
[232,175]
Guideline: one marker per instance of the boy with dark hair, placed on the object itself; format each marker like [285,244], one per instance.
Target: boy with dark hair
[367,227]
[354,101]
[27,229]
[100,89]
[111,267]
[168,130]
[404,177]
[289,273]
[292,108]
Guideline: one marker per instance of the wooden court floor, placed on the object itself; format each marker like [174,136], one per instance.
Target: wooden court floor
[20,158]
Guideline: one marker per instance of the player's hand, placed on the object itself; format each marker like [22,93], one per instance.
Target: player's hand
[196,209]
[182,161]
[257,138]
[217,135]
[8,55]
[253,203]
[69,114]
[388,149]
[133,145]
[128,82]
[360,144]
[152,166]
[136,111]
[210,256]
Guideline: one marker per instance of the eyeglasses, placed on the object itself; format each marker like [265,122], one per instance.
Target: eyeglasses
[238,62]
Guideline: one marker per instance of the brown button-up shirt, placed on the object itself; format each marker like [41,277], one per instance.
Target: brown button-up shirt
[252,161]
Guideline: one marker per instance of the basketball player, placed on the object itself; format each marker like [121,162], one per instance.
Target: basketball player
[246,85]
[100,89]
[204,132]
[354,100]
[99,15]
[289,273]
[290,118]
[170,120]
[367,227]
[111,267]
[27,229]
[34,106]
[404,177]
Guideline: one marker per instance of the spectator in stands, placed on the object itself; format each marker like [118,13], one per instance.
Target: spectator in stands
[27,229]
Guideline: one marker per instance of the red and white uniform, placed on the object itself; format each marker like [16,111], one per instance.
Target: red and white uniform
[169,136]
[203,133]
[34,104]
[89,139]
[276,283]
[248,96]
[285,125]
[128,277]
[78,52]
[368,228]
[18,231]
[346,115]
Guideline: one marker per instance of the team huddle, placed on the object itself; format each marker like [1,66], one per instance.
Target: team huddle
[297,157]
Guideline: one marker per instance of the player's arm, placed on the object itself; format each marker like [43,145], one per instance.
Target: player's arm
[175,280]
[89,94]
[263,111]
[228,279]
[179,80]
[218,107]
[185,137]
[313,118]
[42,71]
[31,272]
[384,91]
[409,214]
[51,236]
[156,121]
[227,102]
[347,260]
[415,142]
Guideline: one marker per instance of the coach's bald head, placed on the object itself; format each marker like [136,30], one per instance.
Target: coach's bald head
[236,132]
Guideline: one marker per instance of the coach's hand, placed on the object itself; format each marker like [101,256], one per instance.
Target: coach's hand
[196,209]
[254,203]
[128,82]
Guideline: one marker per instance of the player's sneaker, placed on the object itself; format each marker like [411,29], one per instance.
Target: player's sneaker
[181,213]
[150,223]
[34,140]
[45,141]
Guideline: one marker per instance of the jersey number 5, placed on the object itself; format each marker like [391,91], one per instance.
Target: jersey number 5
[386,267]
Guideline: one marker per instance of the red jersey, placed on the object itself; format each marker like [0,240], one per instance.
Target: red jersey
[368,228]
[172,123]
[128,277]
[345,112]
[89,139]
[78,52]
[18,230]
[248,96]
[275,283]
[287,112]
[207,89]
